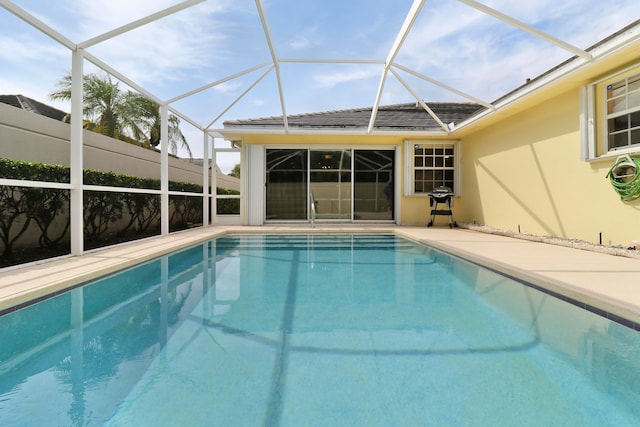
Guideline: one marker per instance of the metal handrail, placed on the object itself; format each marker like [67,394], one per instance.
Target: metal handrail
[312,201]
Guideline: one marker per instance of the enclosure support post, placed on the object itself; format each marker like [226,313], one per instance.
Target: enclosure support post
[75,155]
[164,170]
[214,181]
[206,194]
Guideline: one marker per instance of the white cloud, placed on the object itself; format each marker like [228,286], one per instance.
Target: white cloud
[28,87]
[532,11]
[32,67]
[99,17]
[299,43]
[310,36]
[230,87]
[485,57]
[27,50]
[330,80]
[450,42]
[174,47]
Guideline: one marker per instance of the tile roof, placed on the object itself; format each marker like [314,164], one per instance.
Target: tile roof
[29,104]
[398,117]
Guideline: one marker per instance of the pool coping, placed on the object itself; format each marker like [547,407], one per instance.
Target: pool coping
[602,283]
[605,284]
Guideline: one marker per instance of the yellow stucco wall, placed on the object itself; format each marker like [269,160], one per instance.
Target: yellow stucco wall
[414,210]
[525,172]
[521,167]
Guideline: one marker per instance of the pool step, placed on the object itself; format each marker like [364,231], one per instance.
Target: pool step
[313,242]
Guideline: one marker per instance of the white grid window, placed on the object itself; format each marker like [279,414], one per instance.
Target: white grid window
[434,165]
[623,113]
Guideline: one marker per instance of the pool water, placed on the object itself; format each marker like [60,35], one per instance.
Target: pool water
[344,330]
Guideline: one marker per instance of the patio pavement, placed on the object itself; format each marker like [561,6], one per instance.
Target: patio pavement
[602,281]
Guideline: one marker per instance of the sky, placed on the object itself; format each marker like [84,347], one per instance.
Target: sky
[223,41]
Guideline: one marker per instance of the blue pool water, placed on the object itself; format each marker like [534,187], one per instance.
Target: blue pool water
[309,330]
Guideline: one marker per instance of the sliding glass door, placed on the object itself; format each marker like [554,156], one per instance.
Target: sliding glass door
[342,184]
[330,183]
[286,185]
[373,188]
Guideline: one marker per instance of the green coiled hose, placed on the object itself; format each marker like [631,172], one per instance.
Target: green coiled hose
[627,183]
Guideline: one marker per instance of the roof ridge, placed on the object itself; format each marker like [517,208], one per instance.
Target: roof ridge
[26,104]
[32,105]
[404,116]
[356,109]
[400,104]
[341,110]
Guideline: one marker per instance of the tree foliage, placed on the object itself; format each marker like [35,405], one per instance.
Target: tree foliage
[235,172]
[121,114]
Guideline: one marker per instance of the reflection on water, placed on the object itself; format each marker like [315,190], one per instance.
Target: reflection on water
[85,347]
[291,328]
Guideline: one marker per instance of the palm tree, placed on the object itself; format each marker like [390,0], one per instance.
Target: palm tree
[149,111]
[124,115]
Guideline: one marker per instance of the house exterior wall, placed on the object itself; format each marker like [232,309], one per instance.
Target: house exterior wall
[538,164]
[525,173]
[522,169]
[413,210]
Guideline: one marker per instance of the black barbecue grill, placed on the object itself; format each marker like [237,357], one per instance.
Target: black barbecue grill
[441,195]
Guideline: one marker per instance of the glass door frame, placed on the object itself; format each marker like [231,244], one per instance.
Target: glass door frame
[323,162]
[311,198]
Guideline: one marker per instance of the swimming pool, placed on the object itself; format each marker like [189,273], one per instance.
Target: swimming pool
[314,330]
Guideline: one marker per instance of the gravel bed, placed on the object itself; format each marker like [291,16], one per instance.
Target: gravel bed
[571,243]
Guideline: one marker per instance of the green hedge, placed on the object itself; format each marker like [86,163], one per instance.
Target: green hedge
[228,206]
[22,206]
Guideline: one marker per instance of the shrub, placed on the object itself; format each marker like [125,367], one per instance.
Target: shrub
[108,216]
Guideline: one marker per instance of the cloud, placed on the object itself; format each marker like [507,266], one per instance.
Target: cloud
[532,11]
[299,43]
[375,27]
[31,66]
[332,79]
[307,37]
[450,42]
[99,17]
[230,87]
[485,57]
[176,47]
[32,89]
[28,50]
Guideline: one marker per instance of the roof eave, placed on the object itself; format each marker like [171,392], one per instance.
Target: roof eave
[625,39]
[363,131]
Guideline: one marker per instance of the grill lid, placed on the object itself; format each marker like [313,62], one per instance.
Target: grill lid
[441,191]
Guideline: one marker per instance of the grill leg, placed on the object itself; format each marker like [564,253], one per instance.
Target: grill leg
[433,205]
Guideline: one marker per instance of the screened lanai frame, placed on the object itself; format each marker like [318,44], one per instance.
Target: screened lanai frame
[388,66]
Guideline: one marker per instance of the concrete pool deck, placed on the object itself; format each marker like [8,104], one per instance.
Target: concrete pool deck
[601,281]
